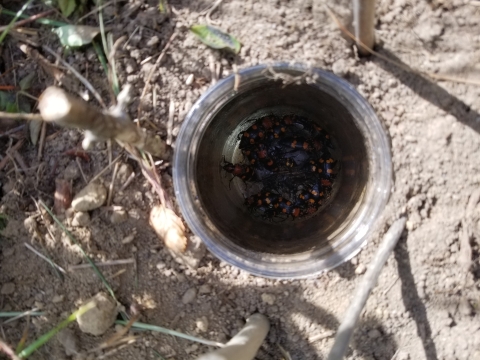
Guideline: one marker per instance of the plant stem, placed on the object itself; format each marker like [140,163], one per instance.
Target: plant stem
[44,338]
[17,15]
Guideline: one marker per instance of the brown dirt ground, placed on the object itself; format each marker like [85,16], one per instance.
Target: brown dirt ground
[426,305]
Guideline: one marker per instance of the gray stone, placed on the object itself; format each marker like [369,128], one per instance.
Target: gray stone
[119,215]
[189,296]
[89,198]
[374,334]
[268,298]
[7,289]
[67,338]
[81,219]
[101,317]
[204,289]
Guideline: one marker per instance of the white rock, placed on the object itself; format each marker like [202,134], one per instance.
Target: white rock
[268,299]
[98,319]
[89,198]
[360,269]
[202,324]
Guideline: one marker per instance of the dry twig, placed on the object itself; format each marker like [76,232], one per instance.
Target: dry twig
[405,67]
[57,106]
[346,328]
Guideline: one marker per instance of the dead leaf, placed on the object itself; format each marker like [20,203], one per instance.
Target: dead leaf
[169,228]
[63,196]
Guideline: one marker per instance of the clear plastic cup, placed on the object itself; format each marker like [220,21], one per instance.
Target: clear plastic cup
[213,205]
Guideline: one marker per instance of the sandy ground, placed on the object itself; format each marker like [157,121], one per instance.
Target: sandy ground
[427,300]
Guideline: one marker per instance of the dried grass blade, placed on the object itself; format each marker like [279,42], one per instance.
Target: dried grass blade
[142,326]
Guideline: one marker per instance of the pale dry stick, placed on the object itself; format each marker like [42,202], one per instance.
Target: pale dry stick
[171,115]
[236,84]
[39,254]
[79,76]
[101,7]
[150,74]
[209,11]
[117,337]
[130,37]
[118,273]
[12,131]
[29,20]
[129,180]
[79,165]
[106,169]
[284,352]
[364,23]
[245,344]
[26,313]
[396,63]
[112,184]
[369,281]
[66,110]
[15,147]
[66,80]
[321,336]
[20,116]
[8,350]
[105,263]
[41,143]
[212,67]
[18,158]
[130,340]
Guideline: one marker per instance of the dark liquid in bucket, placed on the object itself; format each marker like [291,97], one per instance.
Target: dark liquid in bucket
[288,160]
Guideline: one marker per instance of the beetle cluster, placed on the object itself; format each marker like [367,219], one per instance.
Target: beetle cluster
[290,157]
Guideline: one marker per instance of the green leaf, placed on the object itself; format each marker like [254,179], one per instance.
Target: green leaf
[76,35]
[3,221]
[35,126]
[67,7]
[216,38]
[11,108]
[26,82]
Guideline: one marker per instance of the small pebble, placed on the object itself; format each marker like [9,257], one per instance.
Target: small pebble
[202,324]
[360,269]
[161,265]
[67,338]
[189,80]
[465,308]
[99,319]
[189,296]
[81,219]
[374,334]
[339,67]
[7,289]
[268,299]
[89,198]
[153,41]
[119,215]
[204,289]
[58,298]
[123,173]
